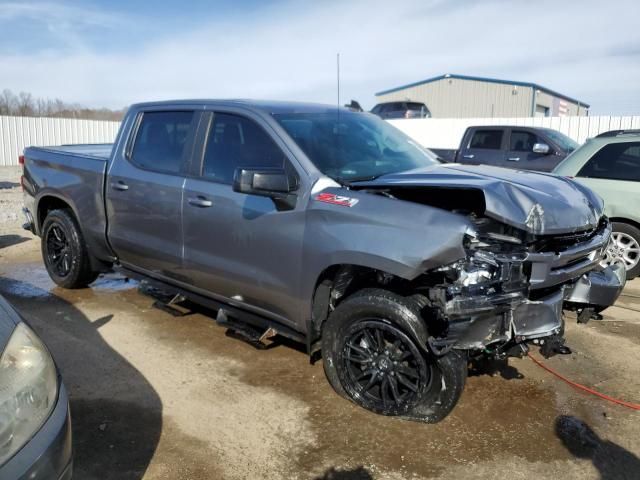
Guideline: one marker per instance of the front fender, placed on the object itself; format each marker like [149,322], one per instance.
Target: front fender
[394,236]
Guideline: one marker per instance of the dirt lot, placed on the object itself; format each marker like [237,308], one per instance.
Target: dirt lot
[159,397]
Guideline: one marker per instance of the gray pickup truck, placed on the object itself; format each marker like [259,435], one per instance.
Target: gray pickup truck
[332,228]
[524,148]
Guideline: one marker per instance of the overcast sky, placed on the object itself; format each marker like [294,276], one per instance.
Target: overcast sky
[113,53]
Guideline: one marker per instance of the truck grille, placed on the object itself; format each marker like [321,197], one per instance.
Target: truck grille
[558,243]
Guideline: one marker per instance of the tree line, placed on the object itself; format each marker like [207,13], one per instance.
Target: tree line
[24,104]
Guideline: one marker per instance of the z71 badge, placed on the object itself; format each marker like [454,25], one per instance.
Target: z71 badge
[336,199]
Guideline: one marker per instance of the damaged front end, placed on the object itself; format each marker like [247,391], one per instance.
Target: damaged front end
[533,248]
[511,288]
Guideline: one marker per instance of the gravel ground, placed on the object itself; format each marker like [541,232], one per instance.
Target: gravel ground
[159,397]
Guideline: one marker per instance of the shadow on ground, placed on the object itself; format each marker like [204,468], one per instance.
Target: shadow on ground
[9,240]
[610,459]
[359,473]
[7,185]
[116,413]
[494,367]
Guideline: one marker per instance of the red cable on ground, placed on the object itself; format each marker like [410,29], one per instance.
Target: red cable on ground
[633,406]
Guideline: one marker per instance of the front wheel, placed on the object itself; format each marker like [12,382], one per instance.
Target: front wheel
[624,248]
[64,251]
[370,359]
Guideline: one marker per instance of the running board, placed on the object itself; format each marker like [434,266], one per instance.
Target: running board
[234,318]
[173,307]
[246,332]
[166,301]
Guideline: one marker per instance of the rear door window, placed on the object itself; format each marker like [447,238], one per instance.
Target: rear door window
[235,141]
[486,139]
[161,140]
[616,161]
[522,141]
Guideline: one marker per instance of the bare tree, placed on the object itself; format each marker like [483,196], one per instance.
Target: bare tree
[8,102]
[24,104]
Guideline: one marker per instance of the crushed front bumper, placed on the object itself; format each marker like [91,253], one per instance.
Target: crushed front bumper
[520,319]
[598,288]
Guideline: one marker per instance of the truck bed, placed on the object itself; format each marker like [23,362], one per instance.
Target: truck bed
[75,174]
[96,150]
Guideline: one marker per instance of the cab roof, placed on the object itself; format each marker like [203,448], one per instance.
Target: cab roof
[267,106]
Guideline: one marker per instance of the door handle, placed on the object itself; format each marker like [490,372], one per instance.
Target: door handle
[120,185]
[470,155]
[514,159]
[200,202]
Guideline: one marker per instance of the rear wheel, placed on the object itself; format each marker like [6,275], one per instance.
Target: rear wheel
[624,248]
[64,251]
[370,359]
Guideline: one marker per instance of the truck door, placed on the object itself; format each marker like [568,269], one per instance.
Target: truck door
[144,192]
[241,247]
[484,147]
[521,154]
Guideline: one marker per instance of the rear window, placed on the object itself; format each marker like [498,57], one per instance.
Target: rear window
[616,161]
[416,106]
[161,139]
[391,107]
[487,139]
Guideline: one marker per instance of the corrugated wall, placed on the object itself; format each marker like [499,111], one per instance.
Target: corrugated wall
[462,98]
[16,133]
[459,98]
[447,132]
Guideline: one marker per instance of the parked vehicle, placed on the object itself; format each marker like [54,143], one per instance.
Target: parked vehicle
[332,228]
[35,426]
[610,165]
[524,148]
[391,110]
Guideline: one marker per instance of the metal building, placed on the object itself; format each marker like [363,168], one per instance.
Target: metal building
[462,96]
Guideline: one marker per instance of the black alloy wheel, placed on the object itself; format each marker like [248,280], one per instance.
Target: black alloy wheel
[58,252]
[383,367]
[64,250]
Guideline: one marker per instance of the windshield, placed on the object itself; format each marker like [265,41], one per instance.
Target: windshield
[560,139]
[352,146]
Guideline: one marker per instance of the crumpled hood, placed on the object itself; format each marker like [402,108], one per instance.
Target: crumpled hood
[539,203]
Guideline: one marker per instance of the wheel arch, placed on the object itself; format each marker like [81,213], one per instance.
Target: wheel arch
[335,283]
[633,223]
[51,201]
[48,202]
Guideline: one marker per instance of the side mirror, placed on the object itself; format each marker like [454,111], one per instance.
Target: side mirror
[264,182]
[542,148]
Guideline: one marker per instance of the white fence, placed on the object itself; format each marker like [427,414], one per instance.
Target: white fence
[16,133]
[447,132]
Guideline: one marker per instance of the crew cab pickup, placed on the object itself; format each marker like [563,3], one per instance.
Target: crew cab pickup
[330,227]
[523,148]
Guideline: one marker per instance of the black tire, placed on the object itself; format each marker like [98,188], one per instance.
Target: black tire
[65,252]
[426,387]
[634,234]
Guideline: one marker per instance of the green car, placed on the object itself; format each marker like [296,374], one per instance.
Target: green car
[609,164]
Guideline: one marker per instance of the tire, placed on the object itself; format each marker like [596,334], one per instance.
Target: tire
[626,250]
[65,252]
[405,381]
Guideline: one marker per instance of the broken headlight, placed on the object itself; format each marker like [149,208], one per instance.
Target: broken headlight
[479,268]
[494,264]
